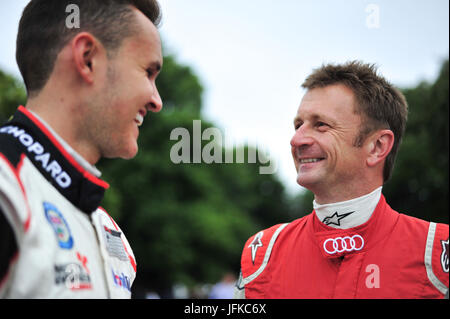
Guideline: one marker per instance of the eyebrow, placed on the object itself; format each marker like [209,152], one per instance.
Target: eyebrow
[315,118]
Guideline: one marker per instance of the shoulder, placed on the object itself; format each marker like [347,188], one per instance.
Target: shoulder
[259,247]
[413,225]
[14,209]
[434,247]
[11,162]
[11,156]
[108,225]
[256,255]
[13,198]
[437,256]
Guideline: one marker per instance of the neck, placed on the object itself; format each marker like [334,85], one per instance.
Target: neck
[76,156]
[64,118]
[348,213]
[350,190]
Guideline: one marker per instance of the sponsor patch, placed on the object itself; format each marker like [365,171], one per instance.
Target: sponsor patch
[59,225]
[114,244]
[121,280]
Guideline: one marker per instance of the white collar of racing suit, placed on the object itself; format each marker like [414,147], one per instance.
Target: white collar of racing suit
[349,213]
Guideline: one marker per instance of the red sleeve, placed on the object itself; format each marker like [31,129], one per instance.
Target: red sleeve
[440,254]
[256,248]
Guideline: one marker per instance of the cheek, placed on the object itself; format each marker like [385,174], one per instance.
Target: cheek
[339,145]
[116,118]
[138,95]
[128,88]
[351,161]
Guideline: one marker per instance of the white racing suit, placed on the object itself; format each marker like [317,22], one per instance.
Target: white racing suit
[55,240]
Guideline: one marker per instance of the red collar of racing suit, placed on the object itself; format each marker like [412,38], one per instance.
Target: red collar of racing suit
[27,135]
[334,243]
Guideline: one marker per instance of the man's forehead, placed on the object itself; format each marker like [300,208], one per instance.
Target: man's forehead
[331,91]
[145,30]
[332,97]
[331,103]
[145,43]
[310,111]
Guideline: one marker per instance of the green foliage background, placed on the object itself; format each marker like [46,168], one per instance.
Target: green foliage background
[187,223]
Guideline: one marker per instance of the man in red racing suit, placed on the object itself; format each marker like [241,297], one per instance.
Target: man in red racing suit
[390,256]
[348,129]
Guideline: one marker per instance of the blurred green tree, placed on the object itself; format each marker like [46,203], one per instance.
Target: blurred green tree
[12,94]
[419,185]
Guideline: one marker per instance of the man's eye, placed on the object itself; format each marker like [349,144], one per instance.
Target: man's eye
[322,126]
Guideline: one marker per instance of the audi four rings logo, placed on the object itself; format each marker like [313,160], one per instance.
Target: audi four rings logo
[341,244]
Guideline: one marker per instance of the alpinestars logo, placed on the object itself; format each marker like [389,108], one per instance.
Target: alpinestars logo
[256,243]
[335,218]
[444,255]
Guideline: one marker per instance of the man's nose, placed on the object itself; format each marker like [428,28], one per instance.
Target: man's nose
[301,137]
[156,103]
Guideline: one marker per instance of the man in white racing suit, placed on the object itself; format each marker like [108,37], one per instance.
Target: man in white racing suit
[59,242]
[87,96]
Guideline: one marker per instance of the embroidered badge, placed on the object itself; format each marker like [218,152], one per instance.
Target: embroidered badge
[444,255]
[255,244]
[114,244]
[335,219]
[59,225]
[121,280]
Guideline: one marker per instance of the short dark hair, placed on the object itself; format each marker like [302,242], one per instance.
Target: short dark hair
[43,31]
[379,103]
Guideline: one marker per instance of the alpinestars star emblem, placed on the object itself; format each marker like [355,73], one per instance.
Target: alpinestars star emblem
[335,218]
[255,244]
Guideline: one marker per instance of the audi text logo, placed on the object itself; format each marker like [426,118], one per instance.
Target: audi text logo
[341,244]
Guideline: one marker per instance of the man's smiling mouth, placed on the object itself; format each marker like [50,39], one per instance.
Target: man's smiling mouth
[310,160]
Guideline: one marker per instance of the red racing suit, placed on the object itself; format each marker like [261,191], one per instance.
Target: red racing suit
[390,256]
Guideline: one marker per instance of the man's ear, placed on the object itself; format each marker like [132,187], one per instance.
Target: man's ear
[379,146]
[85,48]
